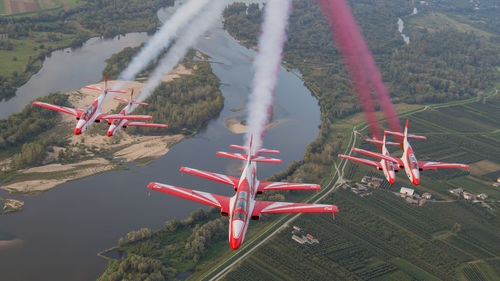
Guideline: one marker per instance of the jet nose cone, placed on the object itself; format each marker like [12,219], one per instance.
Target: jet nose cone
[78,131]
[235,243]
[391,181]
[416,177]
[110,133]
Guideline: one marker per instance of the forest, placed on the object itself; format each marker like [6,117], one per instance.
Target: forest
[71,28]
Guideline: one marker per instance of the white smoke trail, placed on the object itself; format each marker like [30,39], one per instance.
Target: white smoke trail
[160,40]
[267,63]
[179,50]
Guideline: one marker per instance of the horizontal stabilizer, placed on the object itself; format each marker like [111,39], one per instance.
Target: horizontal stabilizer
[244,157]
[409,135]
[101,90]
[381,142]
[266,159]
[262,150]
[127,101]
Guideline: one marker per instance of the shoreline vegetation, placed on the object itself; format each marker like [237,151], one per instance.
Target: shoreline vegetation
[38,166]
[26,39]
[350,248]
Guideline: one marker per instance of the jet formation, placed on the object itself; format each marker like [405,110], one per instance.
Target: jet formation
[390,165]
[242,207]
[85,118]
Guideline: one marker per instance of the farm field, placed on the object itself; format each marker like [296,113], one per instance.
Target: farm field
[381,237]
[25,7]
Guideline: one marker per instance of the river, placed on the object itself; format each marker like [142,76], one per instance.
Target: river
[70,69]
[62,230]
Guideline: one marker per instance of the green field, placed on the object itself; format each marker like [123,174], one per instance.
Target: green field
[381,237]
[438,21]
[27,51]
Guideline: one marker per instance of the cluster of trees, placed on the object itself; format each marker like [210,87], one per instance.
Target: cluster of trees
[22,132]
[185,104]
[106,18]
[161,254]
[140,268]
[243,22]
[198,242]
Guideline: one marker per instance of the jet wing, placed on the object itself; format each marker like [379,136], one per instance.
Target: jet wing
[270,185]
[424,165]
[263,207]
[144,124]
[361,160]
[211,176]
[215,200]
[123,116]
[378,155]
[67,110]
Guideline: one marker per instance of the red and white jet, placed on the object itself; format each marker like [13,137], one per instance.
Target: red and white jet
[242,206]
[387,166]
[116,124]
[409,162]
[93,113]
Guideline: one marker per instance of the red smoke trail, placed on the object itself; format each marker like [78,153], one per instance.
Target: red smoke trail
[361,67]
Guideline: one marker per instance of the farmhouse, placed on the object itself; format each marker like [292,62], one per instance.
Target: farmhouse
[457,191]
[407,191]
[482,196]
[298,239]
[468,196]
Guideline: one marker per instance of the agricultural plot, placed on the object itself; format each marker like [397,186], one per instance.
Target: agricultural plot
[381,237]
[14,7]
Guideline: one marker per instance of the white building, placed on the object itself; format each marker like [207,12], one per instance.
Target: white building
[407,191]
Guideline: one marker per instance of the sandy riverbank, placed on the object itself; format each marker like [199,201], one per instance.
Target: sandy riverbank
[125,147]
